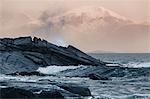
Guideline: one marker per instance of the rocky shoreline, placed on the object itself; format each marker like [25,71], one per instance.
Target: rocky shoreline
[21,57]
[54,90]
[27,54]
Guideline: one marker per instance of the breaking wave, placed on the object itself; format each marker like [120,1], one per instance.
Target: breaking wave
[55,69]
[138,64]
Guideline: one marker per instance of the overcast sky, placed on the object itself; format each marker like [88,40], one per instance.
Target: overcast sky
[134,9]
[14,13]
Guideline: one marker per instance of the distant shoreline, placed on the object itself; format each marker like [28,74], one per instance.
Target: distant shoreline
[115,53]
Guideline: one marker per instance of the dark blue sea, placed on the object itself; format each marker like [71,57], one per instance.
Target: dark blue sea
[126,59]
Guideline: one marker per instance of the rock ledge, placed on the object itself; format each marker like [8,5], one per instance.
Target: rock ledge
[27,54]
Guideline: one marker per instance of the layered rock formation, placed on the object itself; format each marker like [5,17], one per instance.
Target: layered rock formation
[27,54]
[105,72]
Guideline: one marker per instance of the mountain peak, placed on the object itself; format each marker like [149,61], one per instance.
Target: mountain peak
[94,12]
[89,14]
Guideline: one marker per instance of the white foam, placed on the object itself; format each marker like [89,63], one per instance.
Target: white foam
[18,78]
[138,65]
[55,69]
[113,64]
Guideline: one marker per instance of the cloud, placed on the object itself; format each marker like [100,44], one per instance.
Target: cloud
[104,30]
[88,28]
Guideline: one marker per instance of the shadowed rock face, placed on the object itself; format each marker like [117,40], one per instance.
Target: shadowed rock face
[73,88]
[54,90]
[14,93]
[97,77]
[27,54]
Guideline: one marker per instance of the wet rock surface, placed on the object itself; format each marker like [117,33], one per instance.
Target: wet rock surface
[15,93]
[76,89]
[45,86]
[106,72]
[40,89]
[18,93]
[34,73]
[54,94]
[97,77]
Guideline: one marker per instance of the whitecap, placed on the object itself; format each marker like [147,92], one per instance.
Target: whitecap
[54,69]
[138,64]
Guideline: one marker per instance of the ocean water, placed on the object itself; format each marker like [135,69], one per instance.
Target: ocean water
[125,59]
[136,60]
[117,88]
[124,88]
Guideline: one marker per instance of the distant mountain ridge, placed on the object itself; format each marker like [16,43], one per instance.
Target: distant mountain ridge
[96,52]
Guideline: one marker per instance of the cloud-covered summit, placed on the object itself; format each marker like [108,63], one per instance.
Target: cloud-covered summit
[91,28]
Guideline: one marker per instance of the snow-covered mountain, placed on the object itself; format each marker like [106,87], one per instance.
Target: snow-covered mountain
[97,25]
[89,15]
[88,18]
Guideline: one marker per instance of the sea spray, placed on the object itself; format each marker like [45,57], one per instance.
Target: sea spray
[54,69]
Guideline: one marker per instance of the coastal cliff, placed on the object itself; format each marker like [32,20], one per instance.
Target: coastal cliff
[27,54]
